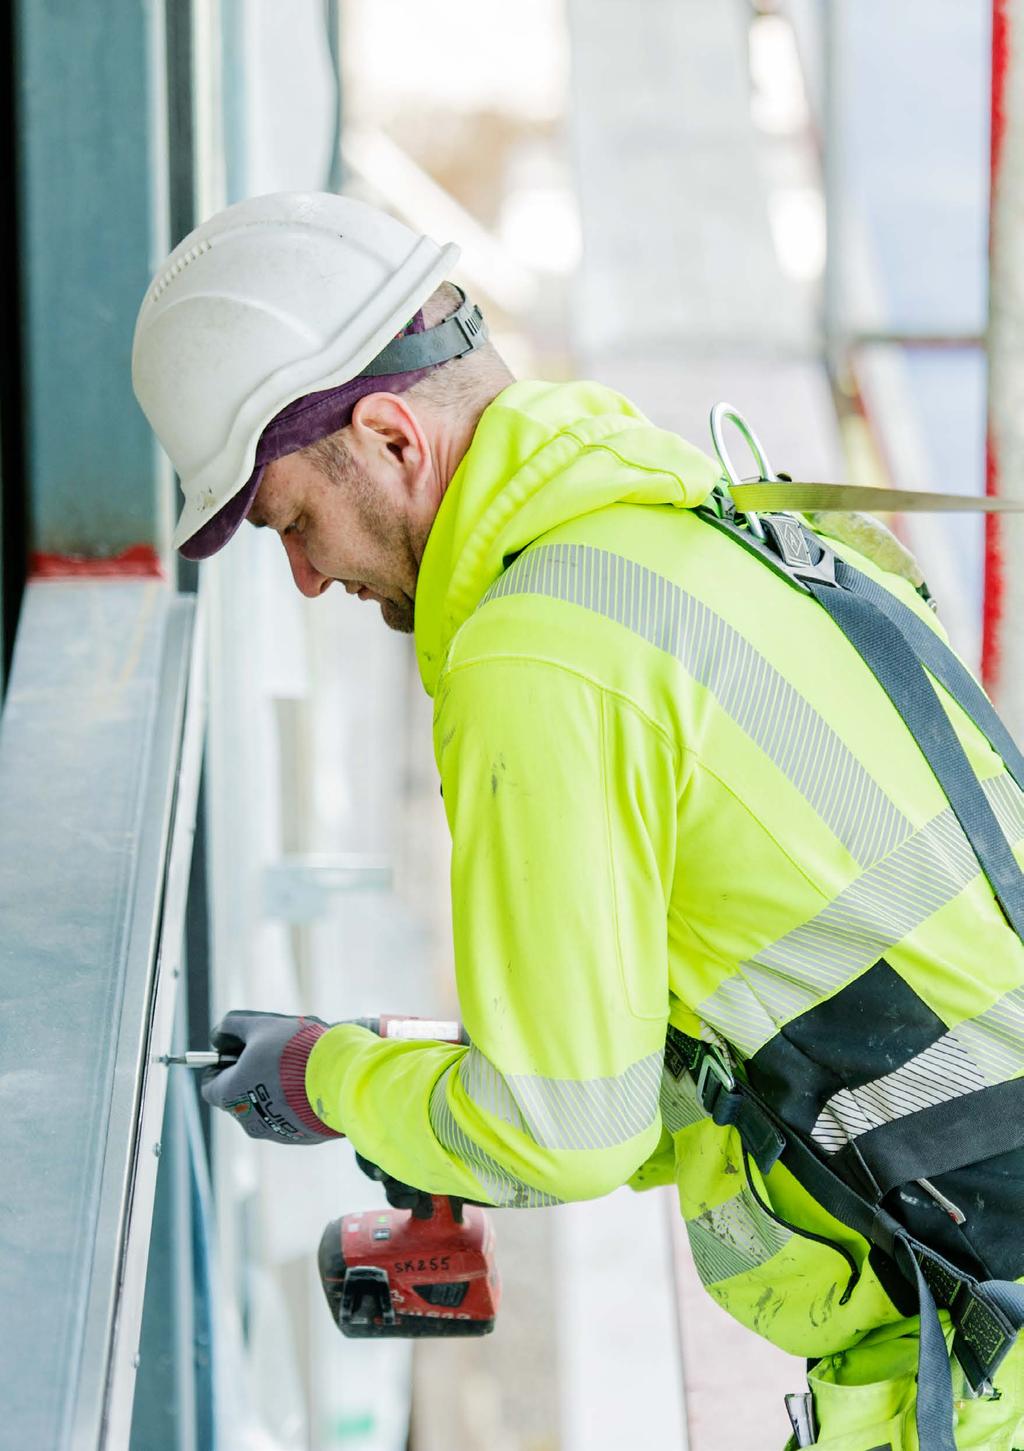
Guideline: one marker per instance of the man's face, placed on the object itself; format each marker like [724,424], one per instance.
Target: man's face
[364,524]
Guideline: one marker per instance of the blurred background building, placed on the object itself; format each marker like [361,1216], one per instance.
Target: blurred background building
[785,204]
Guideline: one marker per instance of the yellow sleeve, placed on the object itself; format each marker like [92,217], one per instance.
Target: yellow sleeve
[561,802]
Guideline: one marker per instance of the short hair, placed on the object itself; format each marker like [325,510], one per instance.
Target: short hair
[465,383]
[461,386]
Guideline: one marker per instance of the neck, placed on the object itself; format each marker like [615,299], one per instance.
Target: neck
[450,437]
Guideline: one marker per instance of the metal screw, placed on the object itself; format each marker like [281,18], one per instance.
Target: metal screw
[156,1148]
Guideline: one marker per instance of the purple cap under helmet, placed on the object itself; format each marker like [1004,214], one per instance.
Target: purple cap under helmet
[309,419]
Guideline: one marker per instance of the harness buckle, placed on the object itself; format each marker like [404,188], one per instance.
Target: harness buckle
[713,1066]
[790,541]
[728,1103]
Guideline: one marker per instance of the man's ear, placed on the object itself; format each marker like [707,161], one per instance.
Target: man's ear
[386,434]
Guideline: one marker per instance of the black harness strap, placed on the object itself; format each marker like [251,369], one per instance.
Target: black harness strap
[986,1315]
[944,1136]
[900,650]
[887,653]
[802,558]
[936,656]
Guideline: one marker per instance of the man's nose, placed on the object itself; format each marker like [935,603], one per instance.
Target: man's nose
[308,581]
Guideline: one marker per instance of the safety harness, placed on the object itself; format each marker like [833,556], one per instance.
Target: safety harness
[901,651]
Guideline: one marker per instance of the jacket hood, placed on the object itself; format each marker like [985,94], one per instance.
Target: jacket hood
[542,454]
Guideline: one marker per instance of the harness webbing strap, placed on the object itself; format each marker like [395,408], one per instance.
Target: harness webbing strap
[936,656]
[934,1412]
[986,1315]
[900,650]
[941,1137]
[886,651]
[930,649]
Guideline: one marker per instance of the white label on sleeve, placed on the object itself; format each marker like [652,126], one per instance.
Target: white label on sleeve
[414,1028]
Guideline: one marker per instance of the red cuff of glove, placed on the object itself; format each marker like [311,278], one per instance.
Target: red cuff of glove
[294,1058]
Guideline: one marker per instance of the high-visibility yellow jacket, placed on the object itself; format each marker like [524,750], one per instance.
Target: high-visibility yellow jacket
[676,795]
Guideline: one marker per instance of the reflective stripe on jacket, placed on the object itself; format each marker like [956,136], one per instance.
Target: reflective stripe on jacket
[677,794]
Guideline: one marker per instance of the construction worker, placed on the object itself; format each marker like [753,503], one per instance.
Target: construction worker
[721,916]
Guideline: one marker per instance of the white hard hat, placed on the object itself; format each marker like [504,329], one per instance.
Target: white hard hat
[269,300]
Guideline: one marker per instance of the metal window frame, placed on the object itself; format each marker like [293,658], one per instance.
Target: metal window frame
[82,1134]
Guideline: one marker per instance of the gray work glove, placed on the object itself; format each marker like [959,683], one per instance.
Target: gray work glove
[266,1088]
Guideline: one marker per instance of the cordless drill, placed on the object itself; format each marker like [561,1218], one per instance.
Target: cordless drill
[425,1265]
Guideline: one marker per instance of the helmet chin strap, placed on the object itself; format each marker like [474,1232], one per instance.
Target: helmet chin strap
[453,338]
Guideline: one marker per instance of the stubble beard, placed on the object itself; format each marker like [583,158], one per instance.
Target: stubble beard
[402,542]
[399,615]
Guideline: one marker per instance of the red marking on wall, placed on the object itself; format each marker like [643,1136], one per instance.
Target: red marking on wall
[992,610]
[140,561]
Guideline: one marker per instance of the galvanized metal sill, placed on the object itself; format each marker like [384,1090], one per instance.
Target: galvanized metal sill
[100,750]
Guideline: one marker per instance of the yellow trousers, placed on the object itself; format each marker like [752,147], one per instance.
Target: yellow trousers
[865,1398]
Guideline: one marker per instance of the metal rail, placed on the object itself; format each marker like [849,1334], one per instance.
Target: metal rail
[100,749]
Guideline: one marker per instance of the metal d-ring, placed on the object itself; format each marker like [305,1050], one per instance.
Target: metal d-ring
[721,414]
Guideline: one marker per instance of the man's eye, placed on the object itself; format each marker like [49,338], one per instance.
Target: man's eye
[293,527]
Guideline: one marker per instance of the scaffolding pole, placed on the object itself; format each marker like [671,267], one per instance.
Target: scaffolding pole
[1004,539]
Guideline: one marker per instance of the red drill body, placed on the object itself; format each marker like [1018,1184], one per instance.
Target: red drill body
[424,1270]
[386,1272]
